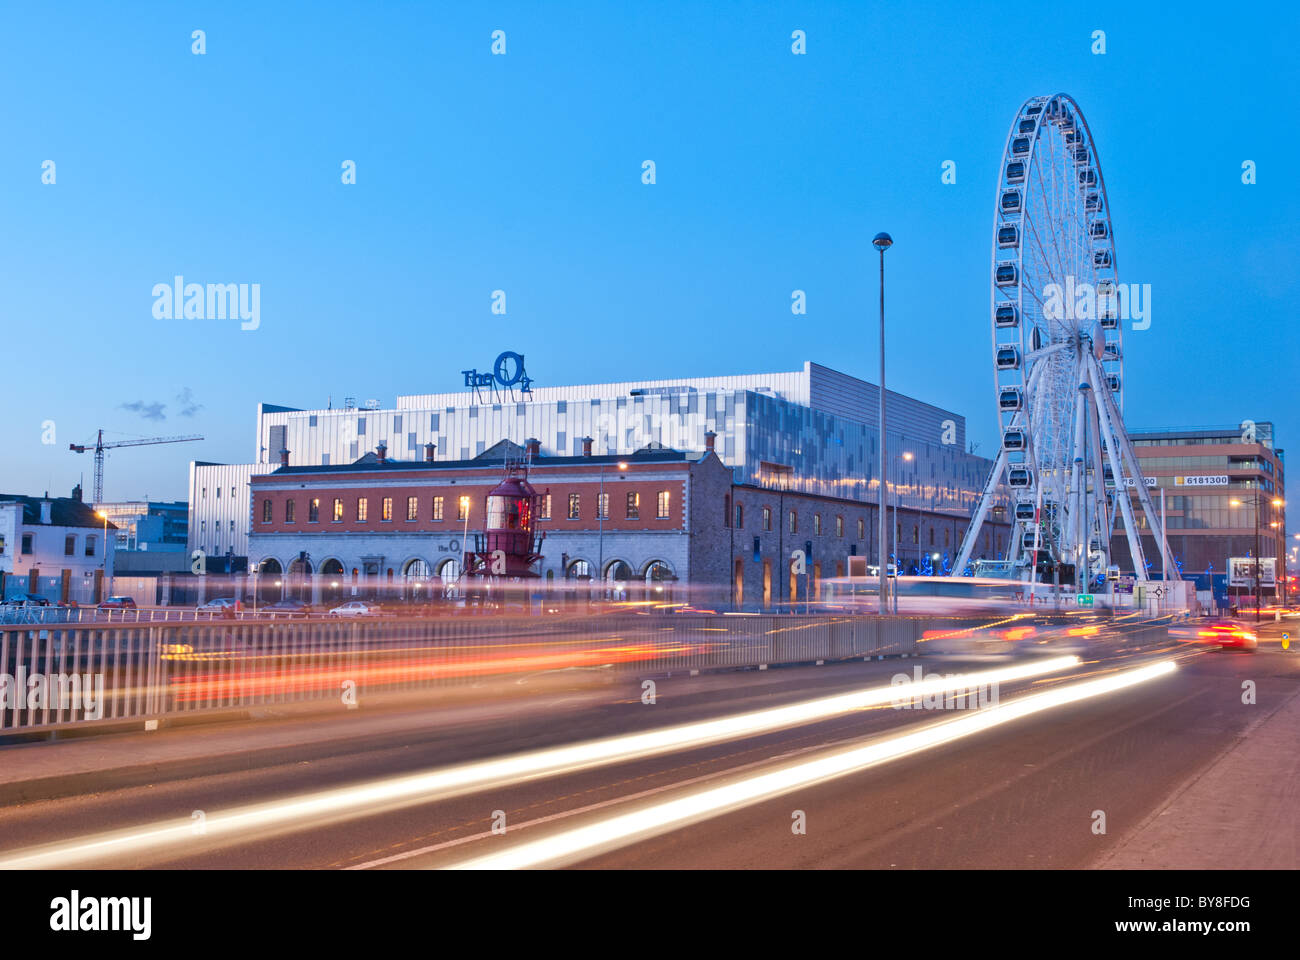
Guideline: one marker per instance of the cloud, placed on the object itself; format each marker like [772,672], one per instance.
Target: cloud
[186,400]
[149,411]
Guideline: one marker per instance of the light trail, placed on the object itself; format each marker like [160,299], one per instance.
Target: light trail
[582,843]
[307,810]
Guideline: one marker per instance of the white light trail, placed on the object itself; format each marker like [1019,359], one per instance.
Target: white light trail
[582,843]
[307,810]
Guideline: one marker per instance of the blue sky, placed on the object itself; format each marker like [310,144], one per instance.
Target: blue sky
[522,172]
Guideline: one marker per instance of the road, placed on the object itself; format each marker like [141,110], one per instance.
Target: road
[1024,793]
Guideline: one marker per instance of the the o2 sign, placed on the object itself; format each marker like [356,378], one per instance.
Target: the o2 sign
[507,373]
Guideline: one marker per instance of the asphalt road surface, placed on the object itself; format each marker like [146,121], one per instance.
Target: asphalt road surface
[1025,793]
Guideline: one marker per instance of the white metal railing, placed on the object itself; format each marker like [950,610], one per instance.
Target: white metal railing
[102,671]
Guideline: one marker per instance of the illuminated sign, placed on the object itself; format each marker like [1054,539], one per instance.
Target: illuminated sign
[1202,481]
[1130,482]
[507,373]
[1241,571]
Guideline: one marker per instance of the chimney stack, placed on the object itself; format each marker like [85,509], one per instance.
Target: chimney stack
[429,450]
[76,493]
[709,438]
[533,447]
[586,446]
[381,452]
[284,457]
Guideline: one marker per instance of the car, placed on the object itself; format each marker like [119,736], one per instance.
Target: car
[118,603]
[1223,632]
[287,608]
[24,599]
[220,604]
[356,608]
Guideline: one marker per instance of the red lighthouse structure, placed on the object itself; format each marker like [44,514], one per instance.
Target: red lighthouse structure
[510,544]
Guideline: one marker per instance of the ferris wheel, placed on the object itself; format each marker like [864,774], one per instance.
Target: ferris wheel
[1058,370]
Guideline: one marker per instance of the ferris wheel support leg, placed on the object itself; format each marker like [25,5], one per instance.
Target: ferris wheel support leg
[1144,496]
[1102,520]
[981,511]
[1078,496]
[1121,492]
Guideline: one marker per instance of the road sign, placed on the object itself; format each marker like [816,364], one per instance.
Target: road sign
[1085,599]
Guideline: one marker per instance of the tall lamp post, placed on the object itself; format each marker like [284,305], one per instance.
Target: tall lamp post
[882,242]
[1256,502]
[601,510]
[104,516]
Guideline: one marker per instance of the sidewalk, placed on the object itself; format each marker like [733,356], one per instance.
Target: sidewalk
[1238,815]
[288,734]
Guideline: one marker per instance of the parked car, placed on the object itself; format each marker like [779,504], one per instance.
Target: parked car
[287,608]
[356,608]
[118,603]
[224,607]
[27,598]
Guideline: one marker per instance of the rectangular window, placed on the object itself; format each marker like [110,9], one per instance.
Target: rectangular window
[324,459]
[311,420]
[386,509]
[313,510]
[412,508]
[69,544]
[266,511]
[546,506]
[861,528]
[740,516]
[363,509]
[361,426]
[575,505]
[817,524]
[410,441]
[633,505]
[794,522]
[205,493]
[839,526]
[27,543]
[602,506]
[338,509]
[288,511]
[437,508]
[661,505]
[767,518]
[397,424]
[218,493]
[90,545]
[462,509]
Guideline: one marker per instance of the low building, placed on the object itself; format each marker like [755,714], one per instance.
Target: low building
[55,547]
[662,518]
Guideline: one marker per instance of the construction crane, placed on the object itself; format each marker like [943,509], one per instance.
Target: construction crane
[100,446]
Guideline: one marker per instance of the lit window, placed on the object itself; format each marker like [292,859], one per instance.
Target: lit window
[767,518]
[602,506]
[575,506]
[633,506]
[546,507]
[437,508]
[661,505]
[462,509]
[817,524]
[839,526]
[412,508]
[386,509]
[313,510]
[338,509]
[363,509]
[794,522]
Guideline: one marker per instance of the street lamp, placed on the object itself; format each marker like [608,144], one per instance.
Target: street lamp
[1256,503]
[103,515]
[464,539]
[600,521]
[882,242]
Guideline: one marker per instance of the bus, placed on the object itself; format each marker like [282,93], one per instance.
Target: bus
[935,595]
